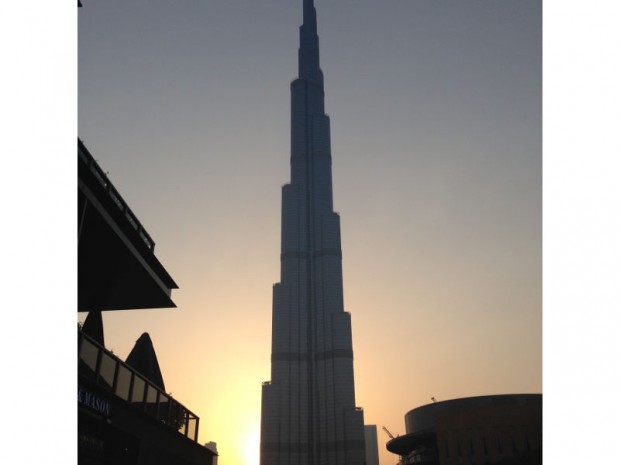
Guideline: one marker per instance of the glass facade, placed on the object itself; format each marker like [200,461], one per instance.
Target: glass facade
[163,414]
[88,354]
[115,376]
[107,367]
[137,392]
[123,382]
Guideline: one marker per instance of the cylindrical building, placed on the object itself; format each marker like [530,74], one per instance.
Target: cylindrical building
[496,429]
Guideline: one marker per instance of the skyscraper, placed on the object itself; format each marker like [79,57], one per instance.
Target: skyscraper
[308,413]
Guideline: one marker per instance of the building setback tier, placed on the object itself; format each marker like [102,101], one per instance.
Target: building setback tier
[309,415]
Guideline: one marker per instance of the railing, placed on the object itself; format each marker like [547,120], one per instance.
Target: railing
[422,457]
[115,376]
[115,196]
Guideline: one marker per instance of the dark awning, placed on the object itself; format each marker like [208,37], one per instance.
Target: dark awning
[117,268]
[403,445]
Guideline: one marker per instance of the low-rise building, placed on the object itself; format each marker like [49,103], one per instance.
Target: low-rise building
[125,416]
[495,429]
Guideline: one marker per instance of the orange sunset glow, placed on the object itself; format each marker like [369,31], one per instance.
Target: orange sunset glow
[448,170]
[436,146]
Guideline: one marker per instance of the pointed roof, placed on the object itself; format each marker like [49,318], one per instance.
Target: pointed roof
[93,326]
[143,359]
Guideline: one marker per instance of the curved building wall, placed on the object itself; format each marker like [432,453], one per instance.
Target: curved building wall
[500,429]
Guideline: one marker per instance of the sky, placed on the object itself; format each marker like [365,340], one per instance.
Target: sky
[436,119]
[394,372]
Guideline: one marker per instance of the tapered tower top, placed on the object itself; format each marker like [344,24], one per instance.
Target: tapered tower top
[309,67]
[309,12]
[308,413]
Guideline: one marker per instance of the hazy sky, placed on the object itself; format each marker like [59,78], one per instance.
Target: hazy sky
[435,110]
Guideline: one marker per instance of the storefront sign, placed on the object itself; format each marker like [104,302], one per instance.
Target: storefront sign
[93,402]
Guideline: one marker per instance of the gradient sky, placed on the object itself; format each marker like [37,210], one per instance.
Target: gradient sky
[435,110]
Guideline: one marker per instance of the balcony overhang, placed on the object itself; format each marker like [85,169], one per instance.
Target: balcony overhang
[403,445]
[117,269]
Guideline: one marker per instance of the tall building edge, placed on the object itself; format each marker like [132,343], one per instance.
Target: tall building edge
[308,411]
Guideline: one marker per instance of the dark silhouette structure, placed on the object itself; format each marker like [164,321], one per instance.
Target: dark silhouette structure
[125,415]
[309,416]
[496,430]
[142,357]
[127,274]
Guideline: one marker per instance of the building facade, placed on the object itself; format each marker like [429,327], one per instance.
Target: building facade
[497,429]
[372,449]
[125,415]
[309,415]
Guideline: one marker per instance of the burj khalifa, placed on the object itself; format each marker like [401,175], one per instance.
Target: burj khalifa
[308,412]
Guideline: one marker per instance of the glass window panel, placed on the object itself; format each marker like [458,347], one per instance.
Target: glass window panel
[123,382]
[164,403]
[137,395]
[151,394]
[182,419]
[151,400]
[174,413]
[106,371]
[192,422]
[88,355]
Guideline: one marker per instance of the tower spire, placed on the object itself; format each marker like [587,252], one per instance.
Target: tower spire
[309,12]
[309,67]
[308,412]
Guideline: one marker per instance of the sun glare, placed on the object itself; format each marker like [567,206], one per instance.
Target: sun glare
[252,448]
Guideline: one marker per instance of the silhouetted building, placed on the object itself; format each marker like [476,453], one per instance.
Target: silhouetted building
[124,414]
[372,445]
[309,416]
[117,266]
[212,446]
[497,429]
